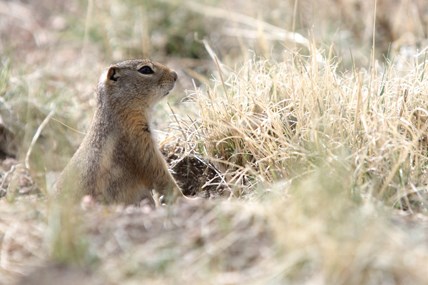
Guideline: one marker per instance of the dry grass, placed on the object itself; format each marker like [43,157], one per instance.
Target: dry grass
[325,154]
[271,120]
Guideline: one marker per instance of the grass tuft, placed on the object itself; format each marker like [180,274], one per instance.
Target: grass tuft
[270,120]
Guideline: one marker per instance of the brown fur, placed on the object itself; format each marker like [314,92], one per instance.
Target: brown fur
[118,160]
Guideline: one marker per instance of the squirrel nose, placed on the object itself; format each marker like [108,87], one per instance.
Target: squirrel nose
[174,75]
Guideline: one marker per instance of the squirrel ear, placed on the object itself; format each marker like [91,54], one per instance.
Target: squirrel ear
[112,74]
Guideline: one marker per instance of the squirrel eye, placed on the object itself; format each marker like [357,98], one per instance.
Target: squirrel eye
[146,70]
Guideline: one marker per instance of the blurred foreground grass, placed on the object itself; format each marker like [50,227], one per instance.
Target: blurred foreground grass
[319,132]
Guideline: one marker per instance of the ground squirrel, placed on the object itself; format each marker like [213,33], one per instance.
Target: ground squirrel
[119,160]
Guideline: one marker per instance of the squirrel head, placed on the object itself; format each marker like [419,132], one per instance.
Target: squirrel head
[135,84]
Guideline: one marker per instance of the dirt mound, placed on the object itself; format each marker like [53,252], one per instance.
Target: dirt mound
[194,174]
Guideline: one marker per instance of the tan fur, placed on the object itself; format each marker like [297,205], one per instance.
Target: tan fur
[118,160]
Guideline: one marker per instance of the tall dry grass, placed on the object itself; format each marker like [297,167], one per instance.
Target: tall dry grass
[270,120]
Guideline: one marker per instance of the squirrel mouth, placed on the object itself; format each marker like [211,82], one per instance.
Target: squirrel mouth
[167,92]
[167,89]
